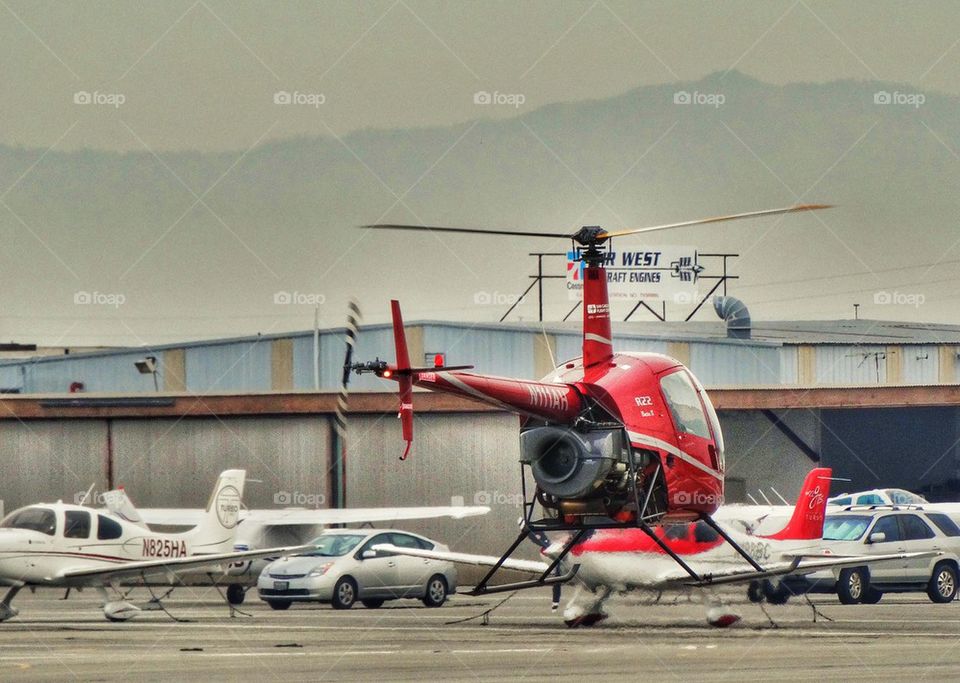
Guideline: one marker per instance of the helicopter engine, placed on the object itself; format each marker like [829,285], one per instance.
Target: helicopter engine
[580,472]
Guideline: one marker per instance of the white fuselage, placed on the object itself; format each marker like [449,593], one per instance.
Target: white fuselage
[81,538]
[627,559]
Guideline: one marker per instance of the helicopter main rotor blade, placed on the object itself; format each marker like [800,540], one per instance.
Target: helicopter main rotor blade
[474,231]
[719,219]
[595,235]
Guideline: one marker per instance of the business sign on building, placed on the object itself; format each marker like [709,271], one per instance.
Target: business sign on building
[667,273]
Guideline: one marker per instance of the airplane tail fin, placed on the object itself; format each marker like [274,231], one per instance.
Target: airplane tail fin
[215,533]
[119,503]
[808,515]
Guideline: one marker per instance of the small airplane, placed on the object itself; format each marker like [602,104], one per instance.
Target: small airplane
[607,561]
[260,528]
[762,518]
[73,546]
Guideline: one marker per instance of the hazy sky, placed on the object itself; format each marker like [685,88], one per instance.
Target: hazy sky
[203,74]
[211,76]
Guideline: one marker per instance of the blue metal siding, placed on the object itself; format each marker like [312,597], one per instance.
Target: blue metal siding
[11,377]
[851,365]
[731,364]
[493,352]
[789,365]
[114,373]
[370,344]
[571,345]
[238,366]
[921,364]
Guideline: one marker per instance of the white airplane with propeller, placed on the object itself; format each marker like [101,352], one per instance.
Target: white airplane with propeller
[73,546]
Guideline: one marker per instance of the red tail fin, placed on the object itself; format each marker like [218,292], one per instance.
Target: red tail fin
[807,520]
[404,379]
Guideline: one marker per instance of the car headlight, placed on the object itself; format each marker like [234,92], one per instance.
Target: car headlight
[321,570]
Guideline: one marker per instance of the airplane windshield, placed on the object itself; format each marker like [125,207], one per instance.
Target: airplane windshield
[845,527]
[43,520]
[334,545]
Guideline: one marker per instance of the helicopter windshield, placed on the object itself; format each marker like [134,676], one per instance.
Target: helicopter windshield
[684,404]
[39,519]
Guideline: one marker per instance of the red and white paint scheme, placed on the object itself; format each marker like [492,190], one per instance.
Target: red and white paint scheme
[75,546]
[629,436]
[623,560]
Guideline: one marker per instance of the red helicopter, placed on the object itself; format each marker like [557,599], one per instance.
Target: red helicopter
[613,440]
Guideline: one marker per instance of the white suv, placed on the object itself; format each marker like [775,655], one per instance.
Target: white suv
[879,530]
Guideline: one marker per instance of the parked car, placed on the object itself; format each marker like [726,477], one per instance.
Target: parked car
[344,569]
[879,530]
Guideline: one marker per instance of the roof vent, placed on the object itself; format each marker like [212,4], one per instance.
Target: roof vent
[734,312]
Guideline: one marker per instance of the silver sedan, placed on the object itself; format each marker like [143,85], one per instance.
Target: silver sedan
[344,568]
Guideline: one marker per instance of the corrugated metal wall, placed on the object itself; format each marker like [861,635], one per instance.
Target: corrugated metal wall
[11,378]
[370,344]
[789,365]
[246,366]
[851,364]
[173,463]
[921,364]
[731,364]
[239,366]
[496,352]
[571,345]
[113,373]
[47,460]
[470,457]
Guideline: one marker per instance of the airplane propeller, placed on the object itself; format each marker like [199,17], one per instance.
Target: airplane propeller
[594,235]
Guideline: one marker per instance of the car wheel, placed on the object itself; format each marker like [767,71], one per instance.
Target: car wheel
[943,583]
[372,603]
[871,596]
[344,593]
[279,604]
[436,593]
[852,585]
[755,592]
[235,594]
[776,596]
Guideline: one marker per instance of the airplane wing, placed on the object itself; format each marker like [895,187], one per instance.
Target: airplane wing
[528,566]
[174,565]
[798,565]
[305,516]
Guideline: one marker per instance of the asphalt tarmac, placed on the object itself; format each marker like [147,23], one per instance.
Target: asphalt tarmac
[904,637]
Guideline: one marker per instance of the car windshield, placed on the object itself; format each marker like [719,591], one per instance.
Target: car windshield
[334,545]
[845,527]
